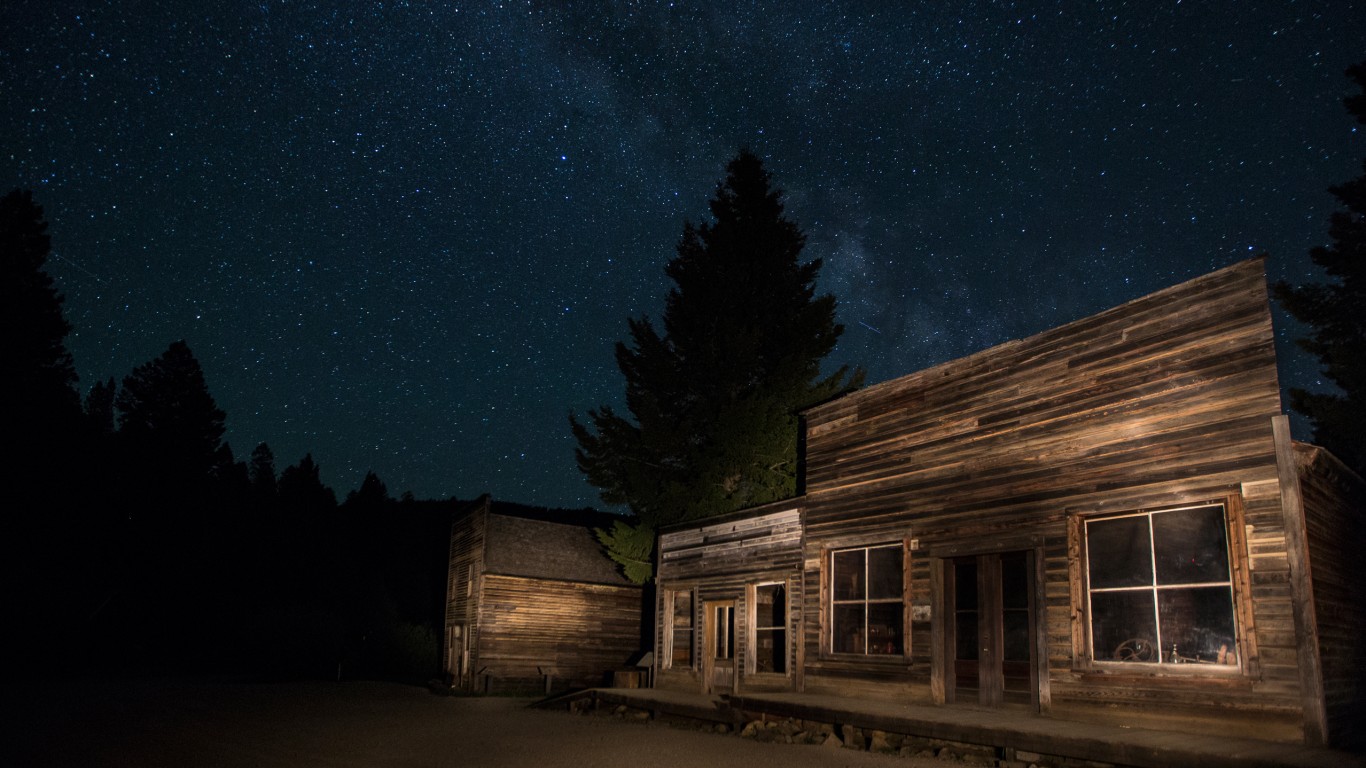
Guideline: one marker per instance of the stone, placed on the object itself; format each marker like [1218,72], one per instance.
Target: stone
[831,740]
[853,737]
[878,743]
[751,728]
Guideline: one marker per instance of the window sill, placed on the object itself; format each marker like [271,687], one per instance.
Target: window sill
[1141,671]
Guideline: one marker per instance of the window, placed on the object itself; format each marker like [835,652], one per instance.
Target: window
[1160,589]
[866,608]
[680,629]
[770,628]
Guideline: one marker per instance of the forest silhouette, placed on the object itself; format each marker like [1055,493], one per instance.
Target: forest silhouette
[138,542]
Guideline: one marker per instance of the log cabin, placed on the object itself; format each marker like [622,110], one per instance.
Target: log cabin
[1107,521]
[534,605]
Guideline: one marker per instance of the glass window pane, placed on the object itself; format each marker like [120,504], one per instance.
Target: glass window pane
[965,637]
[884,628]
[1191,546]
[1123,626]
[1016,637]
[1118,552]
[847,575]
[1015,581]
[965,585]
[884,573]
[1198,623]
[848,628]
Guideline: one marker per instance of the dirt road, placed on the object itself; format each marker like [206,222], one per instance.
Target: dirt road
[184,724]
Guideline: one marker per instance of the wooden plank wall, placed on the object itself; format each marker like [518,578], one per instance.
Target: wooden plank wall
[576,632]
[1165,400]
[718,560]
[1335,523]
[466,564]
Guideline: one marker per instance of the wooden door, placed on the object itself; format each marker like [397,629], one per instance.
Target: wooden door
[992,629]
[458,655]
[718,660]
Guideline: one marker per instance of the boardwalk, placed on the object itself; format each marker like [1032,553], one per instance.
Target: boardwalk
[1006,731]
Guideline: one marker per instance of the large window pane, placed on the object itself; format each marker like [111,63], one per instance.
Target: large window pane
[1118,552]
[1190,546]
[1197,623]
[848,628]
[847,575]
[1124,626]
[884,573]
[884,628]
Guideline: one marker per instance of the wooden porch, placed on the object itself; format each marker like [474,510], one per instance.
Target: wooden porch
[1013,735]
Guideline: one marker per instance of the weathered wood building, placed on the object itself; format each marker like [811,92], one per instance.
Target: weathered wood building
[1106,521]
[724,612]
[533,605]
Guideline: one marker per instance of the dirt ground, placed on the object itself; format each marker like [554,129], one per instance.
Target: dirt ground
[184,724]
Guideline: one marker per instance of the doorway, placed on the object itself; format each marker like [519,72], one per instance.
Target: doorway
[457,655]
[991,637]
[718,660]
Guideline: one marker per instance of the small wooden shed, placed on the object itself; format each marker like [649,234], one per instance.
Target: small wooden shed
[533,605]
[727,592]
[1107,521]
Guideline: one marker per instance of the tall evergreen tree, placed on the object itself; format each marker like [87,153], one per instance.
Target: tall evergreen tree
[167,415]
[261,471]
[41,401]
[714,399]
[1335,311]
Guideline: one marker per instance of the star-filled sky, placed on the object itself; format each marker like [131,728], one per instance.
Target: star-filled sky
[404,236]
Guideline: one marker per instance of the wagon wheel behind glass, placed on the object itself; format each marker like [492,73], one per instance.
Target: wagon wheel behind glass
[1136,649]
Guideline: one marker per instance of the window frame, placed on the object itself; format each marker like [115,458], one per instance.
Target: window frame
[753,629]
[829,603]
[1234,582]
[670,631]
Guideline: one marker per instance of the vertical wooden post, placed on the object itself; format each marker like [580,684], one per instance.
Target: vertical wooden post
[941,691]
[1301,585]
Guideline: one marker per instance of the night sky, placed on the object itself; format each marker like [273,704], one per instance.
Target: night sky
[405,236]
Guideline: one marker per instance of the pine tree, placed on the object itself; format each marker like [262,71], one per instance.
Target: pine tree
[1335,311]
[167,416]
[41,401]
[261,472]
[714,399]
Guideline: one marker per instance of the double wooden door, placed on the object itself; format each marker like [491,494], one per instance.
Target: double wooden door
[991,642]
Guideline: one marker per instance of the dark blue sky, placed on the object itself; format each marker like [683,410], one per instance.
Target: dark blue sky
[405,236]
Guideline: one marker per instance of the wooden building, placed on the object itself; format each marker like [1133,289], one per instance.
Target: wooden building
[726,597]
[1107,521]
[533,605]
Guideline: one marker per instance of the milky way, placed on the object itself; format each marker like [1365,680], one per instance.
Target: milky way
[405,236]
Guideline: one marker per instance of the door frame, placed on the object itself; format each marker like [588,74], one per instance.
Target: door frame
[709,658]
[943,683]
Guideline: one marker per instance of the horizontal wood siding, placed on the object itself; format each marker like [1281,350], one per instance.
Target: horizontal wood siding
[1335,524]
[768,541]
[1164,400]
[575,632]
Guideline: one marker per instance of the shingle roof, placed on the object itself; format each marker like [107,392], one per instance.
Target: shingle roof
[519,546]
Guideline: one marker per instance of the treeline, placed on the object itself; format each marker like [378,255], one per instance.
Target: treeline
[135,540]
